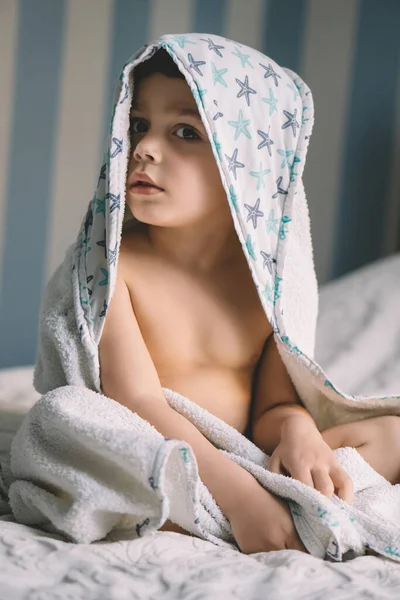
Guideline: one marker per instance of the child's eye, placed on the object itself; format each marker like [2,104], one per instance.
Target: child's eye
[190,131]
[136,125]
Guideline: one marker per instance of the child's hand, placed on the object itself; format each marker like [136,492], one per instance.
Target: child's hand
[262,522]
[304,455]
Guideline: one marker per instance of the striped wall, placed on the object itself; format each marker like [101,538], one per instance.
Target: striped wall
[59,63]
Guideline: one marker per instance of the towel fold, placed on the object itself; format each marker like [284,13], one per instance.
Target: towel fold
[87,467]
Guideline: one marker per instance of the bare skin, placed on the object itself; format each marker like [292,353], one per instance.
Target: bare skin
[214,327]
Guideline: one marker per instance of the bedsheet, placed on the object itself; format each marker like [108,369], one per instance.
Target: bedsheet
[39,566]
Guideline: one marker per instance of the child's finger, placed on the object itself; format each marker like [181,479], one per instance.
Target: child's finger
[275,465]
[344,484]
[323,482]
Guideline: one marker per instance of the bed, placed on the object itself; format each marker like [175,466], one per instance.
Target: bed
[358,344]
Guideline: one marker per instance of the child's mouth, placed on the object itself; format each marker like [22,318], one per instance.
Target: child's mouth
[145,188]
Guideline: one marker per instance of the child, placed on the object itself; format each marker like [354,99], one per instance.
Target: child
[186,315]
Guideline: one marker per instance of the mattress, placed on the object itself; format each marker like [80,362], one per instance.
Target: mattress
[358,344]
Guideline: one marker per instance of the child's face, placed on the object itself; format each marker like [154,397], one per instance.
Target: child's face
[174,151]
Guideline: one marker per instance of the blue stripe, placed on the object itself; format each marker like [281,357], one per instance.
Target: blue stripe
[283,33]
[34,130]
[370,138]
[209,16]
[130,32]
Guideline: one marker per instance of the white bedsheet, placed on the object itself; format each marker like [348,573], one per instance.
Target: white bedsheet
[39,566]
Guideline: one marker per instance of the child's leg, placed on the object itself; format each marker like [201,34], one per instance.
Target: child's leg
[376,439]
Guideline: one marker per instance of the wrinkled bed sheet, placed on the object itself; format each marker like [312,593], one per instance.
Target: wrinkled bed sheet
[39,566]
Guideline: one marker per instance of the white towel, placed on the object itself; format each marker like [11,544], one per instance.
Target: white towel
[90,473]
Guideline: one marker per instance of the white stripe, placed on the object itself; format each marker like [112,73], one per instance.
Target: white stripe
[329,39]
[169,17]
[8,54]
[392,230]
[80,121]
[245,21]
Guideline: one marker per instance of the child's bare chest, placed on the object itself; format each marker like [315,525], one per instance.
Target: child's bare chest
[205,337]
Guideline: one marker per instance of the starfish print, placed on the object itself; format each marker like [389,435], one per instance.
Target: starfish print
[293,174]
[102,243]
[244,58]
[115,201]
[272,224]
[182,40]
[254,212]
[103,171]
[241,126]
[213,46]
[217,145]
[245,89]
[277,293]
[196,64]
[285,154]
[217,114]
[266,141]
[100,205]
[234,163]
[280,189]
[250,247]
[268,261]
[303,119]
[113,254]
[283,230]
[104,311]
[269,293]
[118,147]
[260,175]
[218,75]
[291,122]
[294,90]
[269,72]
[126,94]
[233,198]
[198,94]
[105,280]
[272,102]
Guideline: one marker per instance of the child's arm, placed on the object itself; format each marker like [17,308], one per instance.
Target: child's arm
[276,400]
[128,376]
[287,432]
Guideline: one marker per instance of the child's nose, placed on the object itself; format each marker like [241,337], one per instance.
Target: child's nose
[148,148]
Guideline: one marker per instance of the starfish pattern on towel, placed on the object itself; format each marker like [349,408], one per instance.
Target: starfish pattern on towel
[241,126]
[269,261]
[291,122]
[196,64]
[181,40]
[260,174]
[213,46]
[118,147]
[254,212]
[272,223]
[218,75]
[280,189]
[269,72]
[266,141]
[245,89]
[115,201]
[244,58]
[285,154]
[272,101]
[234,163]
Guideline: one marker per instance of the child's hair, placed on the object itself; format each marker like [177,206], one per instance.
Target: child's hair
[159,62]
